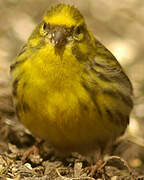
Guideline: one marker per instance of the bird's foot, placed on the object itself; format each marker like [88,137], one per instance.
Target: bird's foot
[32,150]
[96,170]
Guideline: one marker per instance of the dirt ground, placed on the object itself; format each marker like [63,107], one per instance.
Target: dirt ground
[119,25]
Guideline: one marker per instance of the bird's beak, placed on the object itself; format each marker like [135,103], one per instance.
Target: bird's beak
[59,38]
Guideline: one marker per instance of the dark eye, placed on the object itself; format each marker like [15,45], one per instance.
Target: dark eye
[78,30]
[78,33]
[46,26]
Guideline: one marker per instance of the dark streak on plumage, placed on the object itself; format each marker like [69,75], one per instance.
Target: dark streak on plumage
[106,55]
[17,63]
[127,99]
[25,107]
[78,54]
[97,64]
[102,51]
[118,94]
[101,75]
[124,119]
[15,86]
[83,106]
[105,67]
[109,113]
[93,97]
[23,49]
[18,109]
[117,117]
[106,72]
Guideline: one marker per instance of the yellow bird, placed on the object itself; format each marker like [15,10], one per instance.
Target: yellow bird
[68,88]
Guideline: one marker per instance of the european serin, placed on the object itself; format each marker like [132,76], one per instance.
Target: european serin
[67,87]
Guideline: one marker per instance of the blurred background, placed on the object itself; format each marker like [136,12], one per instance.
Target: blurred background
[119,25]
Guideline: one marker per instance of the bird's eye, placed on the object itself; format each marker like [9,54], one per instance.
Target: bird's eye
[78,30]
[46,26]
[78,33]
[44,30]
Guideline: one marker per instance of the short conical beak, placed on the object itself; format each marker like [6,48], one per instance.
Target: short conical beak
[59,38]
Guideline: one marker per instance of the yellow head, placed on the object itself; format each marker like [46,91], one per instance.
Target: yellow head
[63,25]
[64,15]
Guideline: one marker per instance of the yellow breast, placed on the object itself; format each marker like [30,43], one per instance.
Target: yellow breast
[56,106]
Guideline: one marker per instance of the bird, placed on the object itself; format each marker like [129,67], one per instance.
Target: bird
[68,88]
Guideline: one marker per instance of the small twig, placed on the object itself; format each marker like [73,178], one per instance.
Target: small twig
[112,161]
